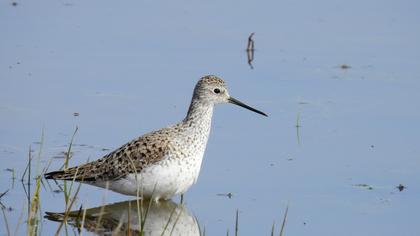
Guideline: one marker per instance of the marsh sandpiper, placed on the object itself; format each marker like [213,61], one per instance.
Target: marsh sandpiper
[163,163]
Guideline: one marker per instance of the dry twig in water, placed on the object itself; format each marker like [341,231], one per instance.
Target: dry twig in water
[250,50]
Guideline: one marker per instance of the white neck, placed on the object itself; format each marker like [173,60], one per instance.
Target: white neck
[199,114]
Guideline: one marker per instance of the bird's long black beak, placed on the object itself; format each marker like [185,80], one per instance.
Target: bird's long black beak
[239,103]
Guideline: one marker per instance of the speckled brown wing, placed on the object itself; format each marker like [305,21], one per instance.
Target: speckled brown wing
[132,157]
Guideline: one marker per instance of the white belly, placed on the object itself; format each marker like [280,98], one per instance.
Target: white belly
[162,180]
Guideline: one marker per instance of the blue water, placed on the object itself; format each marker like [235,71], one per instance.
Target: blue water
[129,67]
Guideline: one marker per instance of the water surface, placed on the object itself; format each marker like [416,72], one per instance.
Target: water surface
[336,143]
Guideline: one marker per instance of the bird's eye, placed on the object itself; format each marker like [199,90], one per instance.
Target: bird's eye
[216,90]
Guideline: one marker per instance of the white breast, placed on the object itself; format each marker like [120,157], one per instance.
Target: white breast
[162,180]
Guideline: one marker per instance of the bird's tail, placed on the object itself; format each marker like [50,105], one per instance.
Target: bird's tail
[61,174]
[77,173]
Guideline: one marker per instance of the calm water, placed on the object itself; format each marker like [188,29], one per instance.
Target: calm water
[129,67]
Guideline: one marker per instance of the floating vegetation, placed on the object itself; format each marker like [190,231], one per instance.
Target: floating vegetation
[229,195]
[365,186]
[63,154]
[401,187]
[344,66]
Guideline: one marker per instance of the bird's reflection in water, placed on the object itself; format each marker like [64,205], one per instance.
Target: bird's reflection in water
[162,218]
